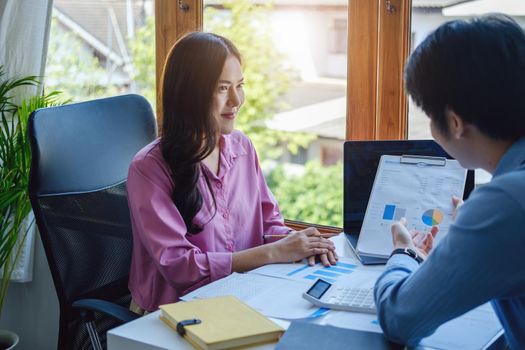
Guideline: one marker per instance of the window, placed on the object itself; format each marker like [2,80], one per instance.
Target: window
[374,101]
[379,39]
[300,157]
[302,85]
[100,48]
[378,45]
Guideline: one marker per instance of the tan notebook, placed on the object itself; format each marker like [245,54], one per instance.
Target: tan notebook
[225,323]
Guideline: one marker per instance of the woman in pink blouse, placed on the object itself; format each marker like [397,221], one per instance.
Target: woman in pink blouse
[199,203]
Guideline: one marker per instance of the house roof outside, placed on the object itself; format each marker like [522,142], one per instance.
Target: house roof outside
[323,119]
[479,7]
[332,3]
[106,25]
[327,118]
[436,3]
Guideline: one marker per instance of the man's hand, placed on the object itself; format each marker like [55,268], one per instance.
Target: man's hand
[421,242]
[456,203]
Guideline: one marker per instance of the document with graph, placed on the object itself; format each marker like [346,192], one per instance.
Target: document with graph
[417,188]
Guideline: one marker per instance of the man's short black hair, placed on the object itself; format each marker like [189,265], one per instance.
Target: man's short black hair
[475,68]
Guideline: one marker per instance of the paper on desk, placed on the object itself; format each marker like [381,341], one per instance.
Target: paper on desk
[304,273]
[273,297]
[345,272]
[241,285]
[276,290]
[473,330]
[353,320]
[286,301]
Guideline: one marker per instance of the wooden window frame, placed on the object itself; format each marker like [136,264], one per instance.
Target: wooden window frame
[173,18]
[378,47]
[379,35]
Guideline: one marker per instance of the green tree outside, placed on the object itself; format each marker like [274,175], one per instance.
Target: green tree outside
[143,53]
[72,69]
[265,72]
[266,75]
[315,196]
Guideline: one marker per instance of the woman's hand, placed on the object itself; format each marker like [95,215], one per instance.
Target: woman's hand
[302,244]
[421,242]
[326,259]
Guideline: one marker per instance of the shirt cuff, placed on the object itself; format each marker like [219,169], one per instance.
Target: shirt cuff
[403,261]
[278,230]
[220,265]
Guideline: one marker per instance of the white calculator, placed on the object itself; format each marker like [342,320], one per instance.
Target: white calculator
[335,297]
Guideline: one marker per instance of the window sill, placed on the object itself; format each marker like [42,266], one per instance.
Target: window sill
[299,225]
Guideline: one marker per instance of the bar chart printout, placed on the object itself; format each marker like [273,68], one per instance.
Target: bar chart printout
[392,212]
[330,274]
[305,273]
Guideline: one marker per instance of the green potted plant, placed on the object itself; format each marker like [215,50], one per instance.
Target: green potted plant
[15,161]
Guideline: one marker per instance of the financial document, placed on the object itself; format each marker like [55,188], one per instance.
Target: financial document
[419,189]
[276,290]
[273,297]
[343,271]
[471,331]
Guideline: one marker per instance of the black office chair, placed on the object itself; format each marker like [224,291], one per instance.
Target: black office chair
[80,158]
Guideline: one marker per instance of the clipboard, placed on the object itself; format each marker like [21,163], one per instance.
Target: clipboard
[423,160]
[416,187]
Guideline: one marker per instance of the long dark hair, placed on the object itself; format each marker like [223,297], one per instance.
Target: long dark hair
[189,132]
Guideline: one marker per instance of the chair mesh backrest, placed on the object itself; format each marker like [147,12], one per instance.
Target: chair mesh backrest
[89,234]
[80,158]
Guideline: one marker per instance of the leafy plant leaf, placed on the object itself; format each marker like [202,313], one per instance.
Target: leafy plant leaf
[15,162]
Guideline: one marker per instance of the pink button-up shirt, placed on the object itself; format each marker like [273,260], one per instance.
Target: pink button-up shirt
[167,262]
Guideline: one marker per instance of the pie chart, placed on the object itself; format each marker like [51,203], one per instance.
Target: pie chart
[432,217]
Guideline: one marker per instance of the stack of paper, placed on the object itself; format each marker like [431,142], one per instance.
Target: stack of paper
[284,285]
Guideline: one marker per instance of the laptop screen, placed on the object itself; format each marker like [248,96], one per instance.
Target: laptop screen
[361,159]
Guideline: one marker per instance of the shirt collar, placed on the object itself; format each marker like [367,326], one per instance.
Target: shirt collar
[513,158]
[231,148]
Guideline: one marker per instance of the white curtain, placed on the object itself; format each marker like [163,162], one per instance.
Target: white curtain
[24,33]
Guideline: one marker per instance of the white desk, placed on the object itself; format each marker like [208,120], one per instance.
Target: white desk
[150,333]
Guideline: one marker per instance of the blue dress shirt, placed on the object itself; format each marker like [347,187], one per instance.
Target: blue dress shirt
[480,260]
